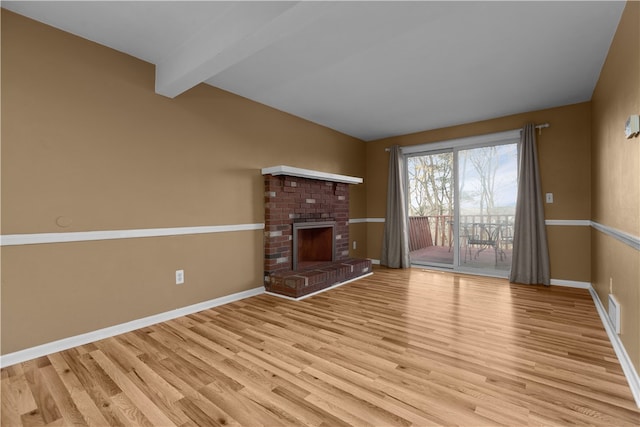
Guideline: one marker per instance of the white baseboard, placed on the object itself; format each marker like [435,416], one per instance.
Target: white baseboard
[67,343]
[318,292]
[628,368]
[64,344]
[625,361]
[623,357]
[571,284]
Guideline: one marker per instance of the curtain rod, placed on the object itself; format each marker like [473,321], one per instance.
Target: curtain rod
[542,126]
[539,127]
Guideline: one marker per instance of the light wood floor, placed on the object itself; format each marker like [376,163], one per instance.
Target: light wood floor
[397,348]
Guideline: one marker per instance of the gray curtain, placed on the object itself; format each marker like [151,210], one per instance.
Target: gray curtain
[530,264]
[395,244]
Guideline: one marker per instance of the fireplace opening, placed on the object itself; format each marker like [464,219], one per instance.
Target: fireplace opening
[313,244]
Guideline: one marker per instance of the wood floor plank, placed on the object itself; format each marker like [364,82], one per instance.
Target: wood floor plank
[82,382]
[257,388]
[62,397]
[9,413]
[140,400]
[47,407]
[298,399]
[238,406]
[204,413]
[165,403]
[127,412]
[165,369]
[400,347]
[97,376]
[147,346]
[33,418]
[22,395]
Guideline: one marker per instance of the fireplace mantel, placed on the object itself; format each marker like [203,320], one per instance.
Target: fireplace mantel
[308,173]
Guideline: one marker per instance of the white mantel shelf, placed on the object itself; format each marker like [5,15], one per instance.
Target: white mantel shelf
[308,173]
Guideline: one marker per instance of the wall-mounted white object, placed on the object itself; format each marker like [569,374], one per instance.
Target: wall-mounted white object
[614,313]
[632,126]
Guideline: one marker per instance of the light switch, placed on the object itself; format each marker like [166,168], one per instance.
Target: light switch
[549,197]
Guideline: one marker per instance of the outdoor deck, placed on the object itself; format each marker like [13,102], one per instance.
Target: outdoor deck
[443,255]
[485,241]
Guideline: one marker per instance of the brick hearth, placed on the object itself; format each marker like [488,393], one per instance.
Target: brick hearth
[290,200]
[296,284]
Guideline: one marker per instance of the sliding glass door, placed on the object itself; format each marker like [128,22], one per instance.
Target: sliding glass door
[462,206]
[487,190]
[431,202]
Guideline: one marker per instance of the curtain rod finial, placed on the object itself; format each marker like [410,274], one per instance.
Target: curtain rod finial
[540,127]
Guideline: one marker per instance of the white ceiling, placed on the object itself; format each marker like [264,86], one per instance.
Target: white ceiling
[370,69]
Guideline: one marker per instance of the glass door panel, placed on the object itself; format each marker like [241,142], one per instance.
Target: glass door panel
[431,203]
[487,191]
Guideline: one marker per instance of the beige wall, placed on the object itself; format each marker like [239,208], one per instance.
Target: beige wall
[84,137]
[616,177]
[564,156]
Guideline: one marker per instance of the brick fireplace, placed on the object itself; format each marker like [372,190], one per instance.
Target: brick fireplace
[306,243]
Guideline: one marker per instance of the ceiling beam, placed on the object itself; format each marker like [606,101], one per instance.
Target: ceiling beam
[245,28]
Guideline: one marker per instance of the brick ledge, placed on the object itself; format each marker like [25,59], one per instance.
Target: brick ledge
[320,291]
[296,284]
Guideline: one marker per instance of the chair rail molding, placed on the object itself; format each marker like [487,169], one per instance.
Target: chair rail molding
[626,238]
[362,220]
[568,222]
[83,236]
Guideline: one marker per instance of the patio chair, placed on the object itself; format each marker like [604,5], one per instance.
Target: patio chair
[481,236]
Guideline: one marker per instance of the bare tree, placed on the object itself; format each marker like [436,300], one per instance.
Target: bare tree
[431,188]
[431,192]
[485,163]
[430,179]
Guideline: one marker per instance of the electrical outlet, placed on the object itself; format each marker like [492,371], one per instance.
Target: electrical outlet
[354,245]
[549,197]
[179,277]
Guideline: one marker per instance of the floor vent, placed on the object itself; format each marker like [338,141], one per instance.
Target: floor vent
[614,313]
